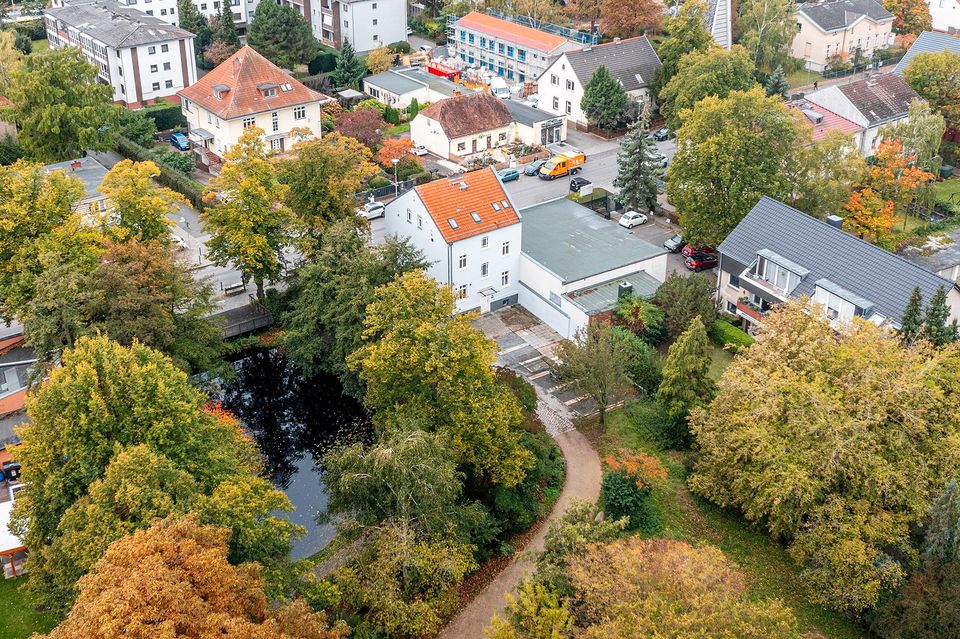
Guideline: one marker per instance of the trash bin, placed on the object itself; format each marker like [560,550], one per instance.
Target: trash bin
[946,171]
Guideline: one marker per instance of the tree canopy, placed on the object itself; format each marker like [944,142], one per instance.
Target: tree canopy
[604,100]
[767,29]
[349,69]
[685,33]
[636,175]
[936,77]
[851,437]
[280,33]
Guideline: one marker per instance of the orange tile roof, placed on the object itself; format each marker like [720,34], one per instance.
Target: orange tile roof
[447,199]
[9,343]
[242,74]
[830,122]
[506,30]
[13,402]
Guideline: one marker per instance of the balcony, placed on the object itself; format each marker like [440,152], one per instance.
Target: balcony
[749,310]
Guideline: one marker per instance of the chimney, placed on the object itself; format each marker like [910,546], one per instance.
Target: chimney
[75,165]
[616,40]
[456,93]
[835,221]
[623,289]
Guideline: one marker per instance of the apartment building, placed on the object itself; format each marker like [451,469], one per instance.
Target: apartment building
[512,51]
[142,57]
[946,15]
[840,28]
[247,90]
[166,10]
[367,24]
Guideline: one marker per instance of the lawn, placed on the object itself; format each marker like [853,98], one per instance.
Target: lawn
[39,45]
[802,78]
[948,190]
[769,571]
[18,618]
[720,359]
[397,129]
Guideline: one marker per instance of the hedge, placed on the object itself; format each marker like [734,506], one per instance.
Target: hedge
[323,63]
[169,177]
[724,333]
[33,29]
[165,115]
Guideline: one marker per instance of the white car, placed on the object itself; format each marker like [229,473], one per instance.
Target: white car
[372,210]
[631,219]
[419,150]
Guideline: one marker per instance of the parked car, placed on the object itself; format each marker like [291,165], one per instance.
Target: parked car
[700,261]
[578,183]
[534,167]
[659,160]
[661,135]
[690,249]
[372,210]
[631,219]
[419,150]
[508,175]
[180,141]
[675,244]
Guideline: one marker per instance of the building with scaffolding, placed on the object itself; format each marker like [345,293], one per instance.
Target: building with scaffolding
[510,48]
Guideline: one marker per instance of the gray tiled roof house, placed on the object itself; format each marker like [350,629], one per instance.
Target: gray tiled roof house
[632,61]
[115,26]
[841,14]
[929,42]
[822,256]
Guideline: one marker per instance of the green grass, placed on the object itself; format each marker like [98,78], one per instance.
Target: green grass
[948,190]
[397,129]
[18,616]
[720,359]
[802,78]
[39,45]
[768,569]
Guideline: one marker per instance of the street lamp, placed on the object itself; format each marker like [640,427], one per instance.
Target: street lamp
[396,177]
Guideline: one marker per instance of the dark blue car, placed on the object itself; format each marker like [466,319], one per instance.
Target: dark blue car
[180,141]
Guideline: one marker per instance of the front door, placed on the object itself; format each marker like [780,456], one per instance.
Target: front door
[489,140]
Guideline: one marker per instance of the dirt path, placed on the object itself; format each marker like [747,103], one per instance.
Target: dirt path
[582,482]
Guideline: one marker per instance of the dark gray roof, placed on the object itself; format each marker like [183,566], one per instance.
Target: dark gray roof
[941,251]
[718,23]
[573,242]
[90,172]
[929,42]
[840,14]
[845,261]
[632,61]
[526,114]
[881,97]
[117,27]
[435,82]
[395,83]
[598,298]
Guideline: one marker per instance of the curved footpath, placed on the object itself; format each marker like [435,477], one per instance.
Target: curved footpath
[582,482]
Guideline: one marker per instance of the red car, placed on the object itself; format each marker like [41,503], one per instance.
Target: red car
[690,249]
[700,261]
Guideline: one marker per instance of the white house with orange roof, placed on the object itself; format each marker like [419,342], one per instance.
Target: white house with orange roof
[247,90]
[512,51]
[469,231]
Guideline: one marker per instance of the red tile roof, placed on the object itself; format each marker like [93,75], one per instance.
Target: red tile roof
[830,121]
[244,75]
[469,114]
[483,195]
[511,32]
[13,402]
[9,343]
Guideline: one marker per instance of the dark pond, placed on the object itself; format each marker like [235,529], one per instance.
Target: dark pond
[295,420]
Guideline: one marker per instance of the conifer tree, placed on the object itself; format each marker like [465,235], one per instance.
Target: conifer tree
[912,320]
[604,100]
[636,176]
[942,541]
[228,30]
[349,69]
[196,23]
[281,35]
[777,83]
[935,326]
[686,383]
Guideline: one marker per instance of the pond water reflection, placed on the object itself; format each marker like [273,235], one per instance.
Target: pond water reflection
[295,420]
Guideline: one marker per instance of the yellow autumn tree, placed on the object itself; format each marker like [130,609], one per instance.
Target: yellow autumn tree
[380,59]
[139,205]
[868,214]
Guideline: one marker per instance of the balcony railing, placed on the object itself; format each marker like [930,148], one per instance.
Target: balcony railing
[748,309]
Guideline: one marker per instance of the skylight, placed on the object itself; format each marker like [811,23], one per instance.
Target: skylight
[496,207]
[453,223]
[475,216]
[504,204]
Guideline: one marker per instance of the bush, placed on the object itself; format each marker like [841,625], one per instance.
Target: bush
[407,166]
[521,389]
[10,151]
[640,317]
[724,333]
[32,29]
[378,181]
[391,115]
[165,115]
[422,177]
[620,497]
[23,43]
[400,47]
[182,162]
[137,127]
[323,63]
[370,103]
[645,370]
[170,178]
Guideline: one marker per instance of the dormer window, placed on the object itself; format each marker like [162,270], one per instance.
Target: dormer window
[778,270]
[219,90]
[268,90]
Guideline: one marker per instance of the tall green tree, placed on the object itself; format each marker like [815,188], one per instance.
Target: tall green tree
[714,72]
[196,23]
[936,77]
[911,324]
[921,133]
[936,320]
[686,381]
[228,29]
[777,83]
[636,175]
[685,33]
[767,29]
[249,225]
[102,398]
[280,33]
[140,205]
[731,151]
[683,299]
[598,362]
[604,101]
[59,107]
[824,172]
[349,69]
[330,295]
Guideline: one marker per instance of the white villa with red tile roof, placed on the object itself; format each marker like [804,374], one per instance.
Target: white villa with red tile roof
[469,231]
[247,90]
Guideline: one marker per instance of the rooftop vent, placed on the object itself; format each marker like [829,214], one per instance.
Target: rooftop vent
[624,289]
[463,186]
[814,116]
[835,221]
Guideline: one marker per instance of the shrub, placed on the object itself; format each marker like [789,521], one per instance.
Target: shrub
[724,333]
[407,166]
[640,317]
[137,127]
[620,497]
[23,43]
[169,177]
[391,115]
[32,29]
[521,388]
[644,371]
[323,63]
[10,151]
[370,103]
[399,47]
[182,162]
[421,178]
[165,115]
[379,181]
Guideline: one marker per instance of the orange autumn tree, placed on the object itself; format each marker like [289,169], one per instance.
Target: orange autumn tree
[173,580]
[895,175]
[641,468]
[627,486]
[396,149]
[868,214]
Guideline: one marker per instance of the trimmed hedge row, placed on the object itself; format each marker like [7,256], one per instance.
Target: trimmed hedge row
[169,177]
[724,333]
[165,115]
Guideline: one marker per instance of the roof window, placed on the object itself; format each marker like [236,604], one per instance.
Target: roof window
[475,216]
[504,204]
[453,223]
[286,87]
[496,206]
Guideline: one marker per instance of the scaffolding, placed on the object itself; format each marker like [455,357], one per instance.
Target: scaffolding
[581,37]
